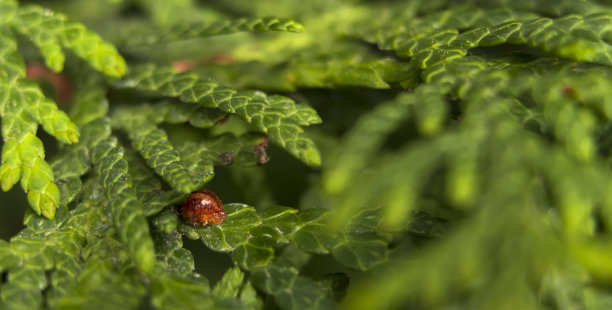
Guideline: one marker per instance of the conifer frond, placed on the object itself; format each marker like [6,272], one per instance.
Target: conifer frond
[470,172]
[119,284]
[127,211]
[537,237]
[326,71]
[463,157]
[176,113]
[426,105]
[88,112]
[338,72]
[563,7]
[191,165]
[153,144]
[252,236]
[149,189]
[35,262]
[226,149]
[290,290]
[22,106]
[278,117]
[48,30]
[230,284]
[557,36]
[23,103]
[173,292]
[108,158]
[199,30]
[68,167]
[174,284]
[362,141]
[8,9]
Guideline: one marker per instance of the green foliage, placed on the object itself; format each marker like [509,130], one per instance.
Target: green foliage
[23,104]
[153,145]
[276,116]
[185,32]
[252,236]
[460,158]
[290,290]
[49,30]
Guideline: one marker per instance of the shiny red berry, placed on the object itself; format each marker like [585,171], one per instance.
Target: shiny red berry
[202,208]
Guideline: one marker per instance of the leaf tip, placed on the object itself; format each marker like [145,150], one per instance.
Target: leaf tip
[295,27]
[145,256]
[313,158]
[9,177]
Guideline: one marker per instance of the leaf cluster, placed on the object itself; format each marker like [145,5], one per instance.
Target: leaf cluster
[376,154]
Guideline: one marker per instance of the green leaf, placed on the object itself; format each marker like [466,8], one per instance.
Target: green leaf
[22,106]
[361,246]
[7,258]
[7,10]
[42,33]
[230,284]
[290,290]
[249,297]
[336,285]
[109,162]
[192,31]
[233,232]
[362,141]
[434,47]
[128,216]
[252,236]
[148,188]
[247,150]
[153,144]
[181,112]
[472,172]
[49,29]
[173,292]
[279,120]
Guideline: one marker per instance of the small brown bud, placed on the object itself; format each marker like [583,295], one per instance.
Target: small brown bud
[202,208]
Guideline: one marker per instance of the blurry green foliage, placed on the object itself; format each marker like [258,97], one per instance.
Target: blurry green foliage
[371,154]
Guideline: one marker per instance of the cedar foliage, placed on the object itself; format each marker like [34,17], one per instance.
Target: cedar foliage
[448,154]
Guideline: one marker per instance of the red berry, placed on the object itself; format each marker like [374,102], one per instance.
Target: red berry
[202,208]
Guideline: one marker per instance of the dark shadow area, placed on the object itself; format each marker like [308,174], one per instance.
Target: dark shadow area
[286,177]
[320,265]
[519,53]
[339,109]
[209,263]
[12,205]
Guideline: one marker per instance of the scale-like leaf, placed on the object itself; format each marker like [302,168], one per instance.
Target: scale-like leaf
[107,158]
[199,30]
[290,290]
[49,30]
[281,122]
[153,144]
[252,236]
[22,106]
